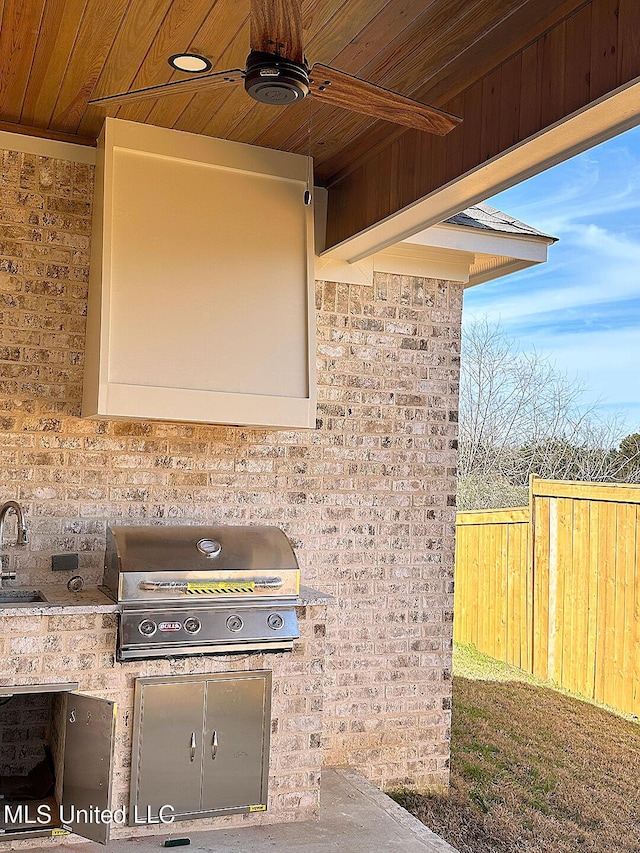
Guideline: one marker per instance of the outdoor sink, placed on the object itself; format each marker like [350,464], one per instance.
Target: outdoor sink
[20,597]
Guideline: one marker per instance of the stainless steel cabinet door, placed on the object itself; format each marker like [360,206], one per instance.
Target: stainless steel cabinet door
[235,757]
[88,762]
[170,747]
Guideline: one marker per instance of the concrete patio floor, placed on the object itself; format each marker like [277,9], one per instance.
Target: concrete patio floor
[355,817]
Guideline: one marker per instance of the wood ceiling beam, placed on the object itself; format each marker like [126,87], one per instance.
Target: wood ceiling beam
[572,66]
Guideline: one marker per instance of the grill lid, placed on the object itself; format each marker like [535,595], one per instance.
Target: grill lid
[154,562]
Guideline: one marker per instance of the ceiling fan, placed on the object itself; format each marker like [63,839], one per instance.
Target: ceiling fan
[277,73]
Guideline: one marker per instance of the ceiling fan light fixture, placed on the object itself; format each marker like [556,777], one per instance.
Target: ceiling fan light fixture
[193,63]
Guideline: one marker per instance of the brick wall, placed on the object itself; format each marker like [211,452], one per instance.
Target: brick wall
[367,498]
[24,730]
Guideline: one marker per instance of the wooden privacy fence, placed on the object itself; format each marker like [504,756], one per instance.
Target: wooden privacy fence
[554,588]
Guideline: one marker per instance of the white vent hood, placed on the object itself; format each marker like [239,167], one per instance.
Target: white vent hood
[201,286]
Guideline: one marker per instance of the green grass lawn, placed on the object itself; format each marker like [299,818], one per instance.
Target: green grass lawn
[533,769]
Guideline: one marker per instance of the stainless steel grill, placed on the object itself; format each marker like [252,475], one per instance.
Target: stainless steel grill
[202,590]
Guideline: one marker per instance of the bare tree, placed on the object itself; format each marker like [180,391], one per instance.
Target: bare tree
[521,415]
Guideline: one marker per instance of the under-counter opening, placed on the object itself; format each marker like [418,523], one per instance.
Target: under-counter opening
[50,737]
[31,760]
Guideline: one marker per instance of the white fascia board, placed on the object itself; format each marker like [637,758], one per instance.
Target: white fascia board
[42,147]
[604,118]
[466,238]
[416,259]
[443,251]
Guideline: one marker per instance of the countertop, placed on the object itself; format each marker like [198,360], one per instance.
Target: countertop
[92,600]
[310,597]
[61,600]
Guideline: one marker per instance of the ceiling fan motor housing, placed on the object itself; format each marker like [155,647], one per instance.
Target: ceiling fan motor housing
[272,79]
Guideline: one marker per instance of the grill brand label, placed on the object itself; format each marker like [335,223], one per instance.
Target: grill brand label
[169,626]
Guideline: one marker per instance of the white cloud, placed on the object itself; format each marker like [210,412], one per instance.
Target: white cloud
[595,268]
[599,183]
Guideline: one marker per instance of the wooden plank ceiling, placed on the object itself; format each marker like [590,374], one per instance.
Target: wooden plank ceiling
[57,54]
[54,54]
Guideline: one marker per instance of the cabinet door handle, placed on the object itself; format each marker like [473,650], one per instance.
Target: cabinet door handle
[214,745]
[193,746]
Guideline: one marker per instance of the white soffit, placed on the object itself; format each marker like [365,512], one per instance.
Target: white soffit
[425,261]
[488,267]
[403,259]
[330,269]
[452,252]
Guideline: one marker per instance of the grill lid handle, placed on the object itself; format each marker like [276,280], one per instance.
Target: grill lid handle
[213,586]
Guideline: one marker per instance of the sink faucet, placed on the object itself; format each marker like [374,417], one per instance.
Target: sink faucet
[22,535]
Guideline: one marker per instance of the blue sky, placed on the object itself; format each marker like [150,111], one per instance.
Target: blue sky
[583,306]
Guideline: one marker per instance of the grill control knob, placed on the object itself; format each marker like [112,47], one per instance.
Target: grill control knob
[275,621]
[192,625]
[235,623]
[147,627]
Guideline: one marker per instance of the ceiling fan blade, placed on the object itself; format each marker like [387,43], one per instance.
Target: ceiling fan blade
[179,87]
[342,90]
[276,27]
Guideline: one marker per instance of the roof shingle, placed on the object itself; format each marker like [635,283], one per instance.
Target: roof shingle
[489,218]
